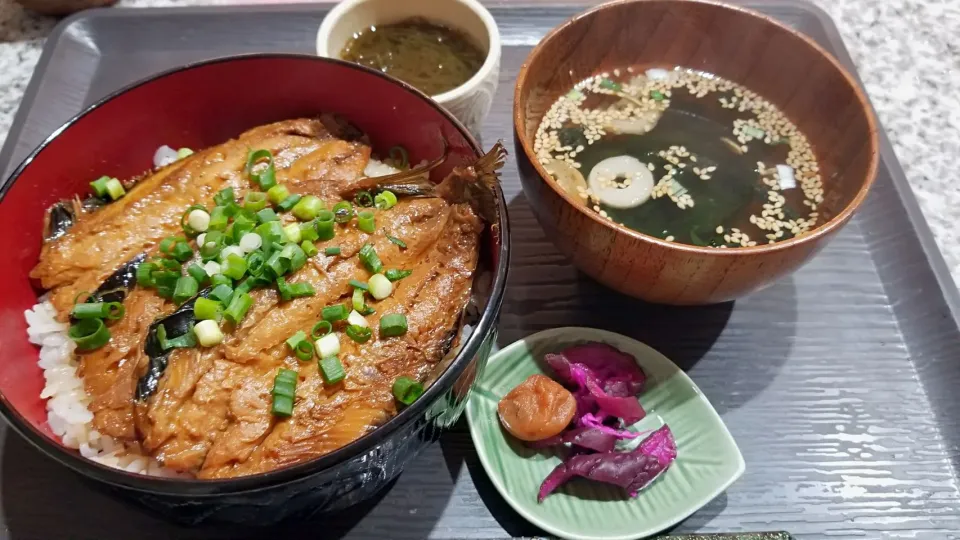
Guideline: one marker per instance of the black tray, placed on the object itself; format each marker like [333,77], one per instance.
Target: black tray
[839,383]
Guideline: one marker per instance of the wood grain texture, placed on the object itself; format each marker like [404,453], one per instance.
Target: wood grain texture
[766,57]
[838,383]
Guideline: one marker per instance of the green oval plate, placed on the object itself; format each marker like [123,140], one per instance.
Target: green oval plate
[708,460]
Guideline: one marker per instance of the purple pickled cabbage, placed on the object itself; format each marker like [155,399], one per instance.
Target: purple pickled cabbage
[632,471]
[626,408]
[583,437]
[595,422]
[615,371]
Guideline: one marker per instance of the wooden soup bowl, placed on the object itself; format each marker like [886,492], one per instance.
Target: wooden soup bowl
[818,95]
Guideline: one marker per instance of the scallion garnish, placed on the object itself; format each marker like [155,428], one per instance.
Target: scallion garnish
[194,224]
[324,224]
[222,293]
[98,310]
[223,197]
[328,345]
[218,218]
[397,241]
[295,257]
[89,334]
[385,200]
[100,186]
[393,324]
[198,273]
[255,201]
[292,231]
[182,252]
[366,221]
[343,212]
[363,198]
[239,305]
[308,208]
[397,275]
[185,289]
[272,231]
[144,274]
[208,333]
[301,346]
[278,193]
[255,263]
[276,266]
[185,341]
[166,245]
[309,249]
[380,286]
[334,313]
[332,370]
[207,309]
[320,329]
[266,177]
[357,284]
[360,334]
[287,204]
[289,291]
[234,266]
[308,232]
[656,95]
[332,250]
[359,304]
[284,391]
[370,259]
[407,390]
[267,215]
[242,226]
[220,279]
[115,189]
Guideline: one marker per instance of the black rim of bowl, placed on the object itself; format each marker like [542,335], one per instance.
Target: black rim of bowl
[267,480]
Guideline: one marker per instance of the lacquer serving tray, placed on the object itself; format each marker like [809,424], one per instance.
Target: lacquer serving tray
[839,383]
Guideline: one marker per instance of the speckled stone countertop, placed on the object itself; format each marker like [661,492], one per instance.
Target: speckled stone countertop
[907,53]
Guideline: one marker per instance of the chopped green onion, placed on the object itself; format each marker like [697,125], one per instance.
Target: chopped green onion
[278,193]
[385,200]
[359,304]
[184,152]
[407,390]
[255,201]
[218,219]
[234,266]
[115,189]
[165,279]
[363,198]
[222,292]
[242,226]
[115,310]
[239,305]
[393,324]
[255,263]
[194,224]
[220,279]
[182,252]
[320,329]
[332,250]
[292,232]
[370,259]
[308,232]
[166,245]
[287,204]
[289,291]
[100,186]
[276,266]
[85,294]
[98,310]
[308,208]
[357,284]
[282,406]
[198,273]
[657,95]
[296,257]
[328,345]
[332,370]
[399,156]
[171,264]
[397,241]
[224,197]
[366,221]
[185,289]
[266,178]
[250,242]
[343,212]
[89,334]
[272,231]
[324,224]
[380,286]
[309,249]
[356,319]
[360,334]
[397,275]
[207,309]
[186,341]
[267,215]
[144,272]
[301,346]
[208,333]
[334,313]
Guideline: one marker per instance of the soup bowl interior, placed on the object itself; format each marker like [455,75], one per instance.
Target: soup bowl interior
[197,106]
[779,64]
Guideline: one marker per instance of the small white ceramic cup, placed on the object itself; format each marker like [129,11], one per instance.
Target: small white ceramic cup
[469,102]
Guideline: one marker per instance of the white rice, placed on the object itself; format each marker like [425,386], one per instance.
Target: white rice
[67,401]
[378,168]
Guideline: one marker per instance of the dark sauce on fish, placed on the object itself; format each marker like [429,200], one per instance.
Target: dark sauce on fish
[433,58]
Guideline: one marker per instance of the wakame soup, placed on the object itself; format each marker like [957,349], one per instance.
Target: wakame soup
[682,155]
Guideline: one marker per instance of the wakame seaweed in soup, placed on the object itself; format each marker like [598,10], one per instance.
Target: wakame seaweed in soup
[684,156]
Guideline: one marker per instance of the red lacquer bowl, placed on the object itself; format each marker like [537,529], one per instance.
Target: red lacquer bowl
[198,106]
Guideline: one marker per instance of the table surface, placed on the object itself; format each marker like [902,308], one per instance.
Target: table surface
[907,53]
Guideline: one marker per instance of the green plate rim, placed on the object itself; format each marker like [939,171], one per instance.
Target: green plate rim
[598,335]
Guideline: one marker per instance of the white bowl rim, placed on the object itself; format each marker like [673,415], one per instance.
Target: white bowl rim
[493,34]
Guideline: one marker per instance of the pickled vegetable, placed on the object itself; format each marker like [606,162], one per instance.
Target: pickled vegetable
[537,409]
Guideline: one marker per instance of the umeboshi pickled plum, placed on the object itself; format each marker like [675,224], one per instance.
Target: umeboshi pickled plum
[536,409]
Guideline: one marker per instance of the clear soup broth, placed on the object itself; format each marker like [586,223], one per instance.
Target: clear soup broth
[684,156]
